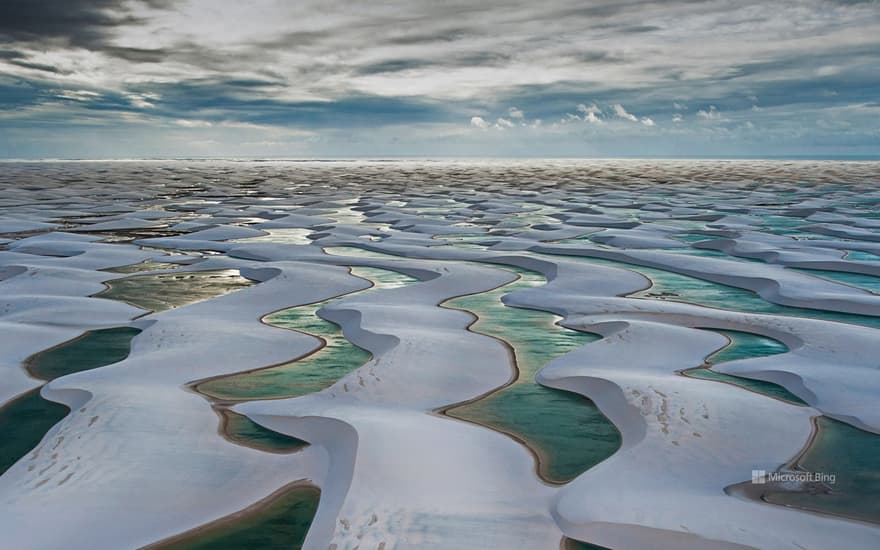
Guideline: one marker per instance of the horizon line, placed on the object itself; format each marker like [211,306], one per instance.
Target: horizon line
[375,158]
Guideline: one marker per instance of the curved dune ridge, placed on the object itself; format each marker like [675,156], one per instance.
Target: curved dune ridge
[764,272]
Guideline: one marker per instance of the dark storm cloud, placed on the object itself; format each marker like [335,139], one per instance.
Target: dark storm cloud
[394,65]
[598,56]
[445,35]
[19,59]
[138,55]
[637,29]
[37,66]
[474,59]
[78,22]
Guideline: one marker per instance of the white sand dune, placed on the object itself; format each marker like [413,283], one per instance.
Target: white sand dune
[773,283]
[137,441]
[790,253]
[846,231]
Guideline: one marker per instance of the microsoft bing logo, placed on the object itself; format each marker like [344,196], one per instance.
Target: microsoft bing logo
[761,477]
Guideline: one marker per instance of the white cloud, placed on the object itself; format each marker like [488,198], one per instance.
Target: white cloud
[479,122]
[679,106]
[591,113]
[647,121]
[516,113]
[591,108]
[676,118]
[78,95]
[710,114]
[503,123]
[593,119]
[143,101]
[193,123]
[621,112]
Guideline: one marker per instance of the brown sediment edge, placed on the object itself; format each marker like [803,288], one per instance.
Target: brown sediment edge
[224,414]
[447,410]
[567,543]
[27,364]
[235,516]
[750,492]
[194,385]
[745,490]
[814,433]
[802,269]
[5,405]
[708,366]
[219,404]
[794,464]
[819,512]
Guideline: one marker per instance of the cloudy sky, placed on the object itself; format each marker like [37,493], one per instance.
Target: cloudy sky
[332,78]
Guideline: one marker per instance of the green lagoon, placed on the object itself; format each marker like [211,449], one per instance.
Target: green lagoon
[160,292]
[744,345]
[93,349]
[244,431]
[25,420]
[566,431]
[281,521]
[858,280]
[310,373]
[23,423]
[853,457]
